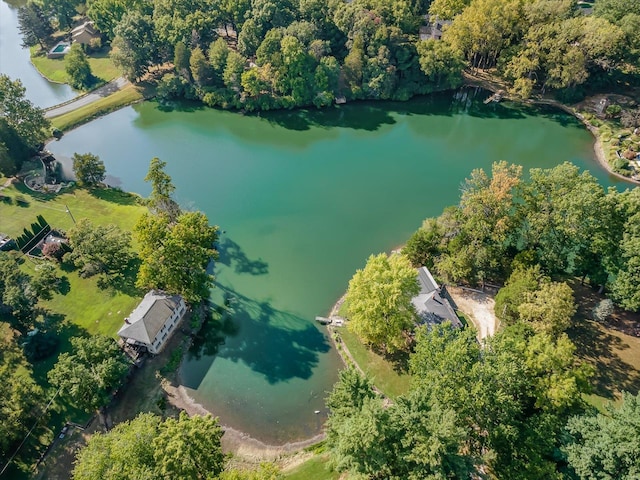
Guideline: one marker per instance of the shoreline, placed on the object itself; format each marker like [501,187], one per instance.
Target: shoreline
[490,84]
[235,441]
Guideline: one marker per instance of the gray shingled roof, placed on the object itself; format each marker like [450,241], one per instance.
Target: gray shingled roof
[149,316]
[431,306]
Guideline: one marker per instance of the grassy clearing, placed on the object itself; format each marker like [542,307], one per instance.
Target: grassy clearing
[313,469]
[101,64]
[128,95]
[378,368]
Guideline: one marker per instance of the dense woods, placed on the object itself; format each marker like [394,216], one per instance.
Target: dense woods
[261,54]
[559,219]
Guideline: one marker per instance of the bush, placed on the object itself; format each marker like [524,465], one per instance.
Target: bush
[55,251]
[613,110]
[40,346]
[56,133]
[602,310]
[95,44]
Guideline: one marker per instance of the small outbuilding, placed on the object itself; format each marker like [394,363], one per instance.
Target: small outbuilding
[153,321]
[433,304]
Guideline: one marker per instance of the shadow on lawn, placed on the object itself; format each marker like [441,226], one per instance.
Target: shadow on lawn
[115,195]
[599,348]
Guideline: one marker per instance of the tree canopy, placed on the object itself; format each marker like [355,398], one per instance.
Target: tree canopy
[91,373]
[88,169]
[379,301]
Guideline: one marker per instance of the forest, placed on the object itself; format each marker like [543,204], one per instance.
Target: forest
[262,54]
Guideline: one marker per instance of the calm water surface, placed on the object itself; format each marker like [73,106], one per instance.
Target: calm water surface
[304,198]
[14,61]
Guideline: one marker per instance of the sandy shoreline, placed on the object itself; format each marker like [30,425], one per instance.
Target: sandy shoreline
[234,441]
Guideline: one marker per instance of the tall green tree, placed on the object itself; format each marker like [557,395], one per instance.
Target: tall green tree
[604,446]
[34,25]
[126,452]
[189,447]
[136,45]
[77,67]
[20,396]
[20,116]
[175,255]
[100,250]
[379,301]
[88,169]
[162,189]
[90,374]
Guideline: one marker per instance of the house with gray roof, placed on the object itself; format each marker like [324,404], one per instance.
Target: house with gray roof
[84,33]
[433,304]
[153,321]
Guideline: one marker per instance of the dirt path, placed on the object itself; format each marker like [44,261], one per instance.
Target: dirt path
[479,306]
[102,92]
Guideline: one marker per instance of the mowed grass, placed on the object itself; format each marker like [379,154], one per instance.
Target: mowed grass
[126,96]
[313,469]
[102,66]
[380,370]
[83,303]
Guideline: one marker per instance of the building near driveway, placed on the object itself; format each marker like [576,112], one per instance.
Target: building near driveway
[433,304]
[153,321]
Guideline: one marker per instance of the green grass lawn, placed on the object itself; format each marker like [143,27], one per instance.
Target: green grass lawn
[80,307]
[101,64]
[128,95]
[379,369]
[313,469]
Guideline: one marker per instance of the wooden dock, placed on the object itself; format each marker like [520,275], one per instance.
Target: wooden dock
[496,97]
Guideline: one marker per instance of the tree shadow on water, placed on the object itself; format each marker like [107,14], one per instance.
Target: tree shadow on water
[277,345]
[231,254]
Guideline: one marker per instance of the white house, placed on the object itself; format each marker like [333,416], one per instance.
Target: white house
[432,304]
[153,321]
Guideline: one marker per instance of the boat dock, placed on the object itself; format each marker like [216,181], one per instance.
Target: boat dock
[496,97]
[334,321]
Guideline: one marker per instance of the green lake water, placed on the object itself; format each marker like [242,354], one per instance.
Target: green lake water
[304,198]
[14,61]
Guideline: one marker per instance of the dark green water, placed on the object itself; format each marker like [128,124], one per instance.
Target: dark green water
[304,199]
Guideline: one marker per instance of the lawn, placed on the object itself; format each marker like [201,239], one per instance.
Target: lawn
[313,469]
[101,64]
[80,305]
[128,95]
[379,369]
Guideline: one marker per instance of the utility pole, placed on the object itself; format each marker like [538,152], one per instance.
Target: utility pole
[70,214]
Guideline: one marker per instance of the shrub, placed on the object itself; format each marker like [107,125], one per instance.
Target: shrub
[613,110]
[602,310]
[54,251]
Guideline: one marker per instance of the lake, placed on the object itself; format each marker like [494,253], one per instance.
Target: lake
[304,198]
[15,62]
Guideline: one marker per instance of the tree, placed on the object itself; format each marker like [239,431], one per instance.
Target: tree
[200,68]
[189,447]
[78,68]
[218,53]
[447,9]
[424,245]
[604,446]
[441,63]
[21,117]
[90,374]
[232,74]
[550,308]
[20,396]
[126,452]
[181,60]
[162,188]
[379,301]
[17,296]
[62,10]
[35,27]
[104,250]
[88,169]
[45,281]
[136,46]
[175,255]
